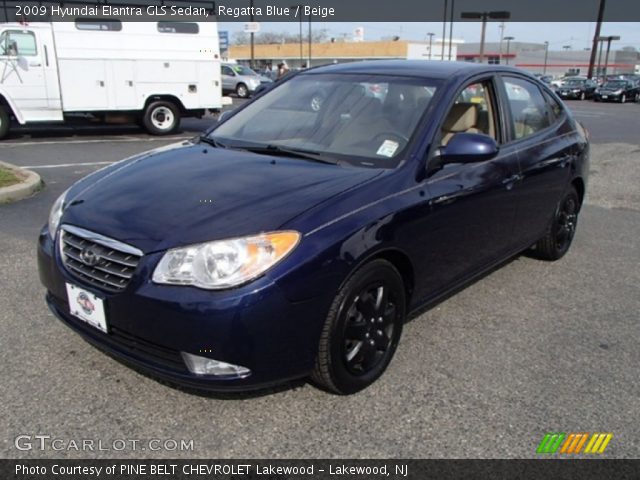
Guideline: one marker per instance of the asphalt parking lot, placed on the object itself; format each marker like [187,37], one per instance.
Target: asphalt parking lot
[531,348]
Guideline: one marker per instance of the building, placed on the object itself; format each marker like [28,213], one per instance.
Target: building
[297,55]
[531,57]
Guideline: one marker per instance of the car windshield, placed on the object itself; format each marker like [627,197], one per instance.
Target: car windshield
[616,84]
[362,120]
[242,70]
[575,83]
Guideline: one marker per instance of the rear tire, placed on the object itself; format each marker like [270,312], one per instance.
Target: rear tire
[5,122]
[362,329]
[562,229]
[161,118]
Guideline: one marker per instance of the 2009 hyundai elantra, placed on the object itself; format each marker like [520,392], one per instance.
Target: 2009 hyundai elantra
[295,237]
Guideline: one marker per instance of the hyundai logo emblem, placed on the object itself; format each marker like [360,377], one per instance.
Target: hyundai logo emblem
[89,257]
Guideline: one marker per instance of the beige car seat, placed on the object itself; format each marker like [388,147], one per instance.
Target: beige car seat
[463,117]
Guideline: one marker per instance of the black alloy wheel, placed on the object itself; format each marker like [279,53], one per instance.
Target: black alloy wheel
[558,239]
[362,330]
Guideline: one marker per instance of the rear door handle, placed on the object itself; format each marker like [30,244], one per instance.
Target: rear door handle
[35,64]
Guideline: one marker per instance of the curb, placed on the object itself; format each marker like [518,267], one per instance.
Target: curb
[30,184]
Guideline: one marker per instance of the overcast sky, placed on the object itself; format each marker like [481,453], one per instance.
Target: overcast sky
[578,35]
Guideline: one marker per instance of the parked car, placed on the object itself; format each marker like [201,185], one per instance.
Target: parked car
[289,242]
[577,88]
[241,80]
[559,82]
[618,91]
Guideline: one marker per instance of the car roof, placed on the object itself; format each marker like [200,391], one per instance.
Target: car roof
[413,68]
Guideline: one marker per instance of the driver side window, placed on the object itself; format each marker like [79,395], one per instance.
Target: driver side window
[18,43]
[472,112]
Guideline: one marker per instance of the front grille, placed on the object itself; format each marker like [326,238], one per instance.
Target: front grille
[113,263]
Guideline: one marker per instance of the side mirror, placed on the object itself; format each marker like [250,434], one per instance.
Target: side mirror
[223,115]
[469,148]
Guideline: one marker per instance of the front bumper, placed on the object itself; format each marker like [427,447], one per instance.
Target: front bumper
[608,97]
[255,326]
[569,94]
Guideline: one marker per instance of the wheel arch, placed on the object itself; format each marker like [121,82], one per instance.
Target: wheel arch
[399,260]
[9,107]
[166,97]
[579,185]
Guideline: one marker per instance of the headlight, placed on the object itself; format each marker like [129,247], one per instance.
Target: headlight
[224,263]
[56,213]
[576,90]
[617,92]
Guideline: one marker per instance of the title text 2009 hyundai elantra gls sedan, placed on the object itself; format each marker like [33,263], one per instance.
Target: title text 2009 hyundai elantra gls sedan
[295,237]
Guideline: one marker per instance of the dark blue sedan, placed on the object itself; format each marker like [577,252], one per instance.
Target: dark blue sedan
[296,236]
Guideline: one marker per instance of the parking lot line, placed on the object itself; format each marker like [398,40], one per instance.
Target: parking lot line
[96,140]
[63,165]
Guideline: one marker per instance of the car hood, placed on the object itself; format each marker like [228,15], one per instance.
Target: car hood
[192,193]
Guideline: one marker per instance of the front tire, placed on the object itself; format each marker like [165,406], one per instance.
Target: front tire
[623,98]
[362,329]
[242,91]
[5,122]
[556,242]
[583,96]
[161,118]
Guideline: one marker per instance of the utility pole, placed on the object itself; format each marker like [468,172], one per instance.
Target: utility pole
[596,35]
[546,54]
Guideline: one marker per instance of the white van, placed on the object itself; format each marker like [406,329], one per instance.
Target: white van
[150,72]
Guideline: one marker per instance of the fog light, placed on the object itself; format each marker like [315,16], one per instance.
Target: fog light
[208,366]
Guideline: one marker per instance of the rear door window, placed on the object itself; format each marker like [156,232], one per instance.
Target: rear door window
[528,107]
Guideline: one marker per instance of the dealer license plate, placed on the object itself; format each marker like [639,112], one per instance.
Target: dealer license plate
[87,307]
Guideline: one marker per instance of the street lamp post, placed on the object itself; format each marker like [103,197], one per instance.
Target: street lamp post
[508,39]
[484,16]
[451,27]
[299,9]
[444,27]
[309,61]
[546,55]
[252,36]
[430,35]
[608,39]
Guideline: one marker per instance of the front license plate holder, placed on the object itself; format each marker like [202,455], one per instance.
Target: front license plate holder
[87,307]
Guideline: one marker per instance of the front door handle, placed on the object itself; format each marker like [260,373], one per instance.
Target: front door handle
[508,182]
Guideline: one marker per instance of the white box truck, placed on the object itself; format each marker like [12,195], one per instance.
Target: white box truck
[153,73]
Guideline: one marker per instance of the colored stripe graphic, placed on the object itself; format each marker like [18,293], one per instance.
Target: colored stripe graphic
[550,443]
[572,443]
[598,442]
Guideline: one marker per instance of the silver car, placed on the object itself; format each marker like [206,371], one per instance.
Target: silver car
[240,80]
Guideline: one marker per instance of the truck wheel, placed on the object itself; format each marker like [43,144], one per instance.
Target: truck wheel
[242,91]
[161,118]
[5,122]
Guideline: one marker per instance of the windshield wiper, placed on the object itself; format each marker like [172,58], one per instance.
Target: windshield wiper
[272,149]
[212,141]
